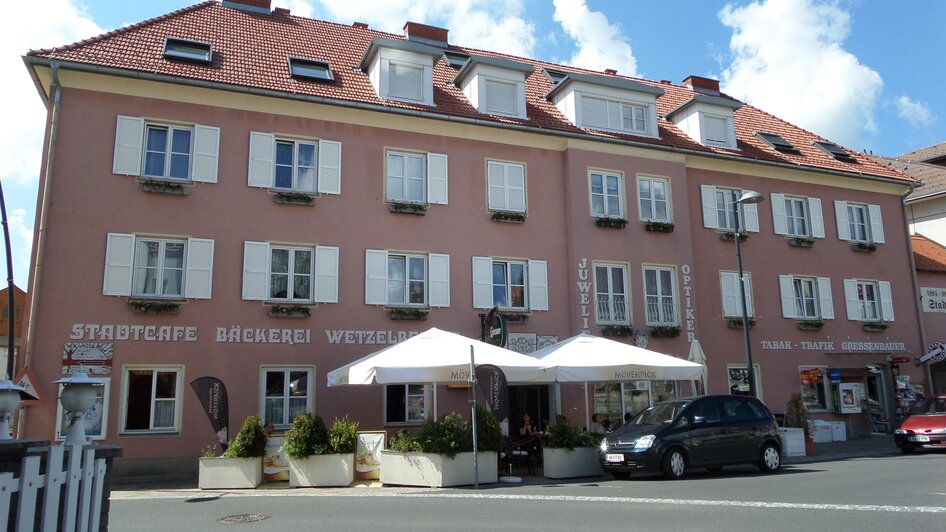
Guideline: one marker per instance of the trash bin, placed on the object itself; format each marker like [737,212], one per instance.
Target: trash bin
[821,432]
[838,431]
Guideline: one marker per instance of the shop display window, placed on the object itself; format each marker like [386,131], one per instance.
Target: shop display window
[813,382]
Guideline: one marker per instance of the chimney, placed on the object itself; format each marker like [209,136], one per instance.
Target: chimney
[423,33]
[610,71]
[362,25]
[702,84]
[253,6]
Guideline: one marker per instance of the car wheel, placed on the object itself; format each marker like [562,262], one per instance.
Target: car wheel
[771,459]
[620,475]
[907,450]
[675,464]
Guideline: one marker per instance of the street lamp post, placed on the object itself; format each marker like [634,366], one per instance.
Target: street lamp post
[748,197]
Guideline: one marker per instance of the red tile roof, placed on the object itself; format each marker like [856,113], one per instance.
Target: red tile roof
[928,255]
[932,177]
[251,50]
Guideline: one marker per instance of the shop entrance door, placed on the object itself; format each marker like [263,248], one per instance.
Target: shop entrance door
[532,399]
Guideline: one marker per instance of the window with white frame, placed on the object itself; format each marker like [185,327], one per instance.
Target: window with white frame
[719,210]
[407,279]
[654,197]
[797,216]
[166,151]
[507,186]
[510,284]
[286,393]
[151,399]
[293,274]
[281,163]
[405,81]
[405,404]
[716,130]
[858,222]
[154,268]
[806,298]
[732,297]
[614,115]
[660,295]
[416,177]
[868,300]
[611,294]
[607,193]
[501,96]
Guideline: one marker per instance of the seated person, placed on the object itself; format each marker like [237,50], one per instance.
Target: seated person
[526,428]
[597,427]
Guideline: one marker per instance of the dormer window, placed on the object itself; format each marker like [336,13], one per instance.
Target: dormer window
[309,69]
[606,103]
[401,70]
[777,142]
[455,59]
[183,49]
[709,120]
[555,76]
[494,86]
[615,115]
[835,151]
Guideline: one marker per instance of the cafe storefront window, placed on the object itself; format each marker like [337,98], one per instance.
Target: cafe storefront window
[813,381]
[613,400]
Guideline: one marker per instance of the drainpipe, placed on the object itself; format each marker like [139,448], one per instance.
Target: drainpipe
[916,292]
[40,241]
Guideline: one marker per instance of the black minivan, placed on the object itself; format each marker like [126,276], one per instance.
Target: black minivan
[710,432]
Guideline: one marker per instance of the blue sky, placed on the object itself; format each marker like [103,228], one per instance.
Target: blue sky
[868,74]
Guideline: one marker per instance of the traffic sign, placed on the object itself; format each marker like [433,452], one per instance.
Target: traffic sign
[27,380]
[934,353]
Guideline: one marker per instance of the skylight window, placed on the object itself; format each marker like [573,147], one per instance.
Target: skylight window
[835,151]
[310,69]
[777,142]
[554,76]
[455,59]
[200,52]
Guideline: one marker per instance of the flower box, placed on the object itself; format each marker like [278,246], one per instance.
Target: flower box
[864,247]
[793,441]
[154,307]
[665,331]
[564,463]
[436,470]
[516,317]
[322,470]
[163,187]
[294,198]
[407,314]
[810,325]
[736,323]
[731,235]
[801,242]
[659,227]
[874,326]
[505,216]
[290,311]
[612,223]
[419,209]
[617,330]
[229,473]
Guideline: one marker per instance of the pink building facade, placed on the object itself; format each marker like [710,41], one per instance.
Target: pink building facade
[221,217]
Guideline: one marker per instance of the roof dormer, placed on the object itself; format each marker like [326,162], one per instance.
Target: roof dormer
[494,86]
[708,117]
[607,103]
[401,70]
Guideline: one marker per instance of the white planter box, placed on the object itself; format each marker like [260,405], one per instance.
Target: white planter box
[322,470]
[435,470]
[229,473]
[793,441]
[563,463]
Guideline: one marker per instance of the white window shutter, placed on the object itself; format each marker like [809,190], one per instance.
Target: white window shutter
[750,311]
[437,179]
[840,212]
[876,224]
[129,137]
[326,274]
[824,294]
[710,219]
[538,285]
[850,300]
[119,264]
[255,271]
[817,217]
[376,277]
[206,154]
[751,213]
[730,289]
[886,301]
[438,286]
[779,220]
[482,282]
[198,278]
[330,167]
[787,289]
[262,159]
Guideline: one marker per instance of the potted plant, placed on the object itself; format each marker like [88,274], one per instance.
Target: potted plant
[795,437]
[441,454]
[570,452]
[241,465]
[320,457]
[611,222]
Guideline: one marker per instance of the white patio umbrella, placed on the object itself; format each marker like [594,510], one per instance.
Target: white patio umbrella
[697,356]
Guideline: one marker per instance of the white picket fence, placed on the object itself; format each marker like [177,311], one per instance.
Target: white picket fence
[71,496]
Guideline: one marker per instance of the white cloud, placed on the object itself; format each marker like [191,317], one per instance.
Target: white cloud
[916,113]
[486,24]
[788,59]
[601,45]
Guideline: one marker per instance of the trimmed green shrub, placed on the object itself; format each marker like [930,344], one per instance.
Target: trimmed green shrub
[403,442]
[564,435]
[250,441]
[446,436]
[343,436]
[489,436]
[307,436]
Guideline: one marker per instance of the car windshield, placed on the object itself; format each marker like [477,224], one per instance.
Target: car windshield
[660,413]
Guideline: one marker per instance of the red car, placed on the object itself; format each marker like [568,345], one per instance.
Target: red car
[924,431]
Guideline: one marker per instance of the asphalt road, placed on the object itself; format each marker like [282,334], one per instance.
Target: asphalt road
[889,493]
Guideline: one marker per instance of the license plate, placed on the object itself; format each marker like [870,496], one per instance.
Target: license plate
[611,457]
[919,438]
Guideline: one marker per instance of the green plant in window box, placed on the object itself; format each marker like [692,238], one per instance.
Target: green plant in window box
[343,436]
[875,326]
[154,307]
[306,437]
[736,323]
[290,311]
[659,227]
[506,216]
[166,187]
[801,242]
[407,207]
[515,317]
[617,330]
[611,222]
[731,235]
[408,313]
[810,325]
[864,247]
[320,457]
[250,442]
[296,198]
[665,331]
[403,442]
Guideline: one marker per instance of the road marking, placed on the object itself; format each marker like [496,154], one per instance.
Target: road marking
[131,495]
